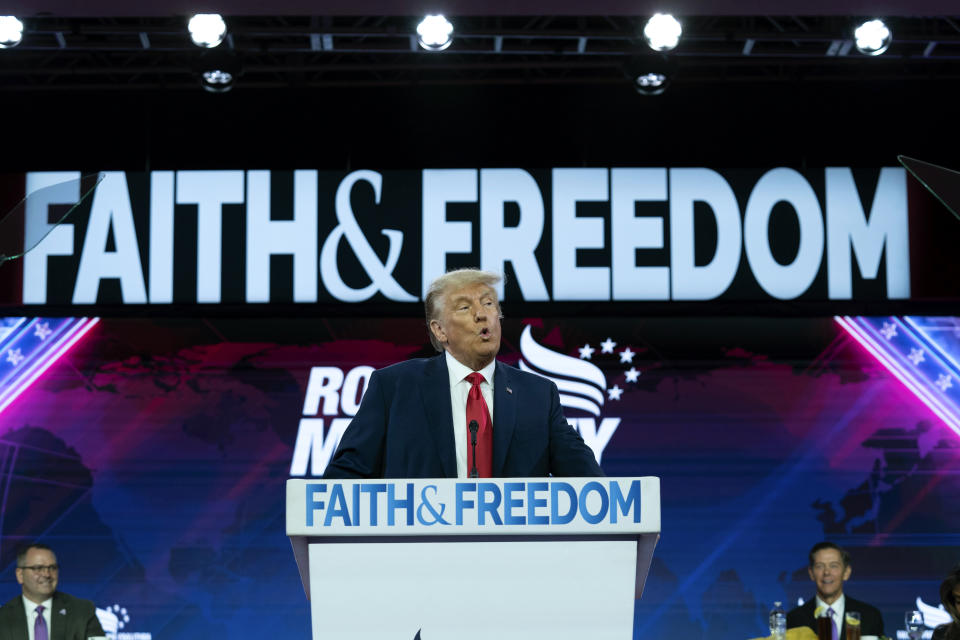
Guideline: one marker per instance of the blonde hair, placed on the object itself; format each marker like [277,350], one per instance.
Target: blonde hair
[452,280]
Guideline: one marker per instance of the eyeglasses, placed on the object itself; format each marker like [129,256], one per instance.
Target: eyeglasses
[42,568]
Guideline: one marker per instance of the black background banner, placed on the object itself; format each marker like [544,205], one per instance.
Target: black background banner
[932,230]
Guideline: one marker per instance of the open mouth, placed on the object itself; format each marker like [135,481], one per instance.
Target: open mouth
[484,333]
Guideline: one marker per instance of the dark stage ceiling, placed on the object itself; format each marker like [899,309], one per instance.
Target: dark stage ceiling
[291,48]
[114,85]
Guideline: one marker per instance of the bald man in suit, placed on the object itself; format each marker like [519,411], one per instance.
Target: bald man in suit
[41,609]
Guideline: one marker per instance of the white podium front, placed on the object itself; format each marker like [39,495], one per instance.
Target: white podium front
[518,558]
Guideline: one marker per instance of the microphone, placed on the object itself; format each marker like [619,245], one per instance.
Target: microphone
[473,427]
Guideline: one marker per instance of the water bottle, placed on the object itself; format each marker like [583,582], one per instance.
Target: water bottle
[778,622]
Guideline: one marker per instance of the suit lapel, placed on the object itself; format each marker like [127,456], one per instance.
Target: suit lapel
[809,612]
[19,616]
[435,393]
[58,621]
[504,416]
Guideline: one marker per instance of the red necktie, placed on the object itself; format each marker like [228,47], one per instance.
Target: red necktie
[477,410]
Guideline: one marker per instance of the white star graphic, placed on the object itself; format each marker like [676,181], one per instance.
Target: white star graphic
[42,330]
[626,355]
[14,356]
[607,346]
[586,351]
[889,330]
[916,356]
[944,382]
[632,374]
[614,393]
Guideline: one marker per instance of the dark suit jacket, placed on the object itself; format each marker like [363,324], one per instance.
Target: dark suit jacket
[871,622]
[404,427]
[70,619]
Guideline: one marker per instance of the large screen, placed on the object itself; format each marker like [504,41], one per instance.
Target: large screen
[151,454]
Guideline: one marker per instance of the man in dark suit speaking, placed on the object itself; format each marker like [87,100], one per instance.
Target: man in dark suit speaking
[42,612]
[462,413]
[829,568]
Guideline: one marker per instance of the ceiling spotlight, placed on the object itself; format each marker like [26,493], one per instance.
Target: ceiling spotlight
[662,32]
[217,80]
[649,74]
[651,83]
[434,33]
[217,70]
[11,32]
[872,37]
[207,29]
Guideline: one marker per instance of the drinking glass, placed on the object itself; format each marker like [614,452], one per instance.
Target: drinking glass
[852,625]
[915,626]
[824,627]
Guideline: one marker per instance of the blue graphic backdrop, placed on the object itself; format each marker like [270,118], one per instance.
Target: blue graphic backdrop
[152,457]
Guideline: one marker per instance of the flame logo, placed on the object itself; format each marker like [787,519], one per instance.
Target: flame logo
[932,616]
[581,383]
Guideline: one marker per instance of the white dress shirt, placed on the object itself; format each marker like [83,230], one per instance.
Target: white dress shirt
[31,608]
[838,609]
[459,389]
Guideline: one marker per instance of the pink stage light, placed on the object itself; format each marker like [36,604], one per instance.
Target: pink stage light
[37,368]
[911,382]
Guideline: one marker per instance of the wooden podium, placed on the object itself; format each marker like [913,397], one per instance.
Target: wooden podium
[518,558]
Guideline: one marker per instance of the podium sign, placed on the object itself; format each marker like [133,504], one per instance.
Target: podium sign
[508,558]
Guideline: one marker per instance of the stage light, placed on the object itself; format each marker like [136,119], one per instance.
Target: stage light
[872,37]
[650,74]
[662,32]
[11,32]
[217,80]
[207,29]
[218,70]
[651,84]
[434,33]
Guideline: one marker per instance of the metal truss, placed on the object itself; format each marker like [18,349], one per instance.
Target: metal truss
[324,51]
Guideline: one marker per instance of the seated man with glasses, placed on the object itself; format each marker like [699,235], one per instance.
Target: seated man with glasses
[42,612]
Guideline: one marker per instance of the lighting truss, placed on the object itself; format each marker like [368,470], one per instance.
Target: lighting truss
[156,52]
